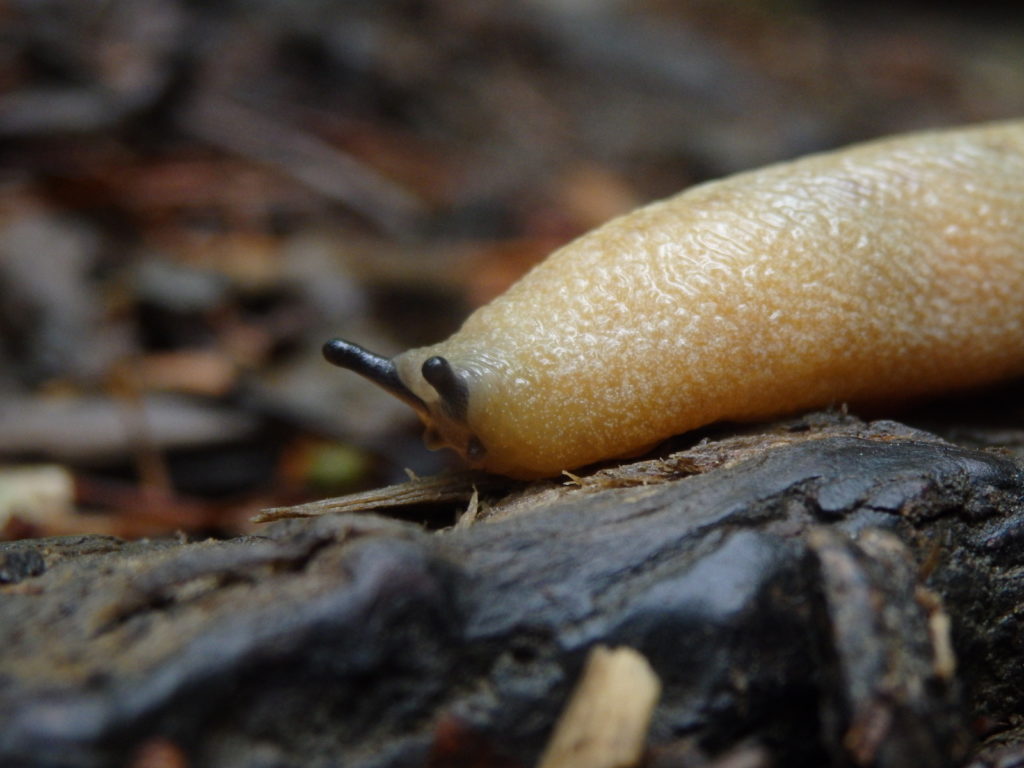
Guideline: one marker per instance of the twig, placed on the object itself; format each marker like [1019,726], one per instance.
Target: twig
[318,165]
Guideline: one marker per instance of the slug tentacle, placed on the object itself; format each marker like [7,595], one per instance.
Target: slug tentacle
[380,370]
[453,390]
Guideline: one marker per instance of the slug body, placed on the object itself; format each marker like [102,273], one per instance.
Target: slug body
[880,272]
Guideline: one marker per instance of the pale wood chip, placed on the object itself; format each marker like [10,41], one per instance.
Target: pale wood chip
[606,721]
[453,488]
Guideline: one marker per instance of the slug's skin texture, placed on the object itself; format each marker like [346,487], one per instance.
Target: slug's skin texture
[880,272]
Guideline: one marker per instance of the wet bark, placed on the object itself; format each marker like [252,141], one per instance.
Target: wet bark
[837,594]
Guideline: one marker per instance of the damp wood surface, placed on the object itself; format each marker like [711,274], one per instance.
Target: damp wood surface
[826,591]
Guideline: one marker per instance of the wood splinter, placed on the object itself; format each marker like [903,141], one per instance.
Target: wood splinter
[606,721]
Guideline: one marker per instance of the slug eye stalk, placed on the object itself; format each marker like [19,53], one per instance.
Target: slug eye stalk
[439,373]
[380,370]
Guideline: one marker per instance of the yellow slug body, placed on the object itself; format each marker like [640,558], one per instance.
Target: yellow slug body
[883,271]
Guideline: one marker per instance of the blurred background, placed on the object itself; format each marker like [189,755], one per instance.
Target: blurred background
[194,196]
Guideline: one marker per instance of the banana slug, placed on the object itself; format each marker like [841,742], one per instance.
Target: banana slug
[880,272]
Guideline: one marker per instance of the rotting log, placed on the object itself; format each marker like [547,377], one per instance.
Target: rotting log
[835,593]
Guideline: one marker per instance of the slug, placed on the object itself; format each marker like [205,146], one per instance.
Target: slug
[869,275]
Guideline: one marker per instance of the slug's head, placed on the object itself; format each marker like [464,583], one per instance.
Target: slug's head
[429,383]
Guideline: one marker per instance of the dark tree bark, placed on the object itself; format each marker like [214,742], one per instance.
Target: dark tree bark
[840,594]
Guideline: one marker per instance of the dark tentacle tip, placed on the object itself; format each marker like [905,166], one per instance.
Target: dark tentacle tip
[345,354]
[453,390]
[380,370]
